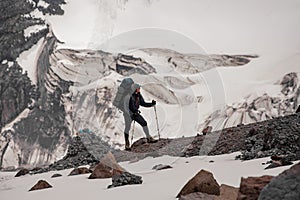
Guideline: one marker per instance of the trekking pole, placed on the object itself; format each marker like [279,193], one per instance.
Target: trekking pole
[132,131]
[156,122]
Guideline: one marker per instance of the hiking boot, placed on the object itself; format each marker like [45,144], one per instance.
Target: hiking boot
[127,145]
[151,140]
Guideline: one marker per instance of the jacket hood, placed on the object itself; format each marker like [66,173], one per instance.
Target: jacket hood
[134,87]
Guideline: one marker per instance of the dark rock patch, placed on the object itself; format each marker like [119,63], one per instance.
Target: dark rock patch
[161,167]
[22,172]
[41,184]
[284,186]
[251,187]
[125,178]
[56,175]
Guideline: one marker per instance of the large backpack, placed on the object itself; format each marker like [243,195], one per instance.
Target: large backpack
[123,90]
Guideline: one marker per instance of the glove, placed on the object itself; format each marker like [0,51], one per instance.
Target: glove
[153,102]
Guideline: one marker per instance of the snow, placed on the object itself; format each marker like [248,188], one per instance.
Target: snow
[28,60]
[163,184]
[43,4]
[33,29]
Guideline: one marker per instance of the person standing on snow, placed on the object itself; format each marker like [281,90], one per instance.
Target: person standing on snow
[132,102]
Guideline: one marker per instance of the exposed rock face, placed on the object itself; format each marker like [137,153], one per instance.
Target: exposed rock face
[19,98]
[125,179]
[41,184]
[250,187]
[203,182]
[80,170]
[284,186]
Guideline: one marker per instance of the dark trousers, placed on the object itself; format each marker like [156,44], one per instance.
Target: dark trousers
[128,120]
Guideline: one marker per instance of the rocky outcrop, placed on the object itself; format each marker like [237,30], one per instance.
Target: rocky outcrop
[125,178]
[278,136]
[203,182]
[41,184]
[251,187]
[284,186]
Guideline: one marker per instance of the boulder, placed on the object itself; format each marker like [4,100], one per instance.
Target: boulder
[107,168]
[56,175]
[284,186]
[161,167]
[203,182]
[80,170]
[41,184]
[250,187]
[22,172]
[125,179]
[197,196]
[227,192]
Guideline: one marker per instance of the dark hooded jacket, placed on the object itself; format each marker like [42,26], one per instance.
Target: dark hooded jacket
[137,100]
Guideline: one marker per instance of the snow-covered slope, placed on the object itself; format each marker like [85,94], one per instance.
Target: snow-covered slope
[164,184]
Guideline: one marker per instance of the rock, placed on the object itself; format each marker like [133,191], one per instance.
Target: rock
[161,167]
[107,168]
[41,184]
[250,187]
[80,170]
[278,161]
[284,186]
[56,175]
[22,172]
[298,109]
[125,179]
[227,192]
[207,129]
[197,196]
[203,182]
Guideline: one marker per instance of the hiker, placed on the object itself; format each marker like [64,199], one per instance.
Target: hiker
[132,102]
